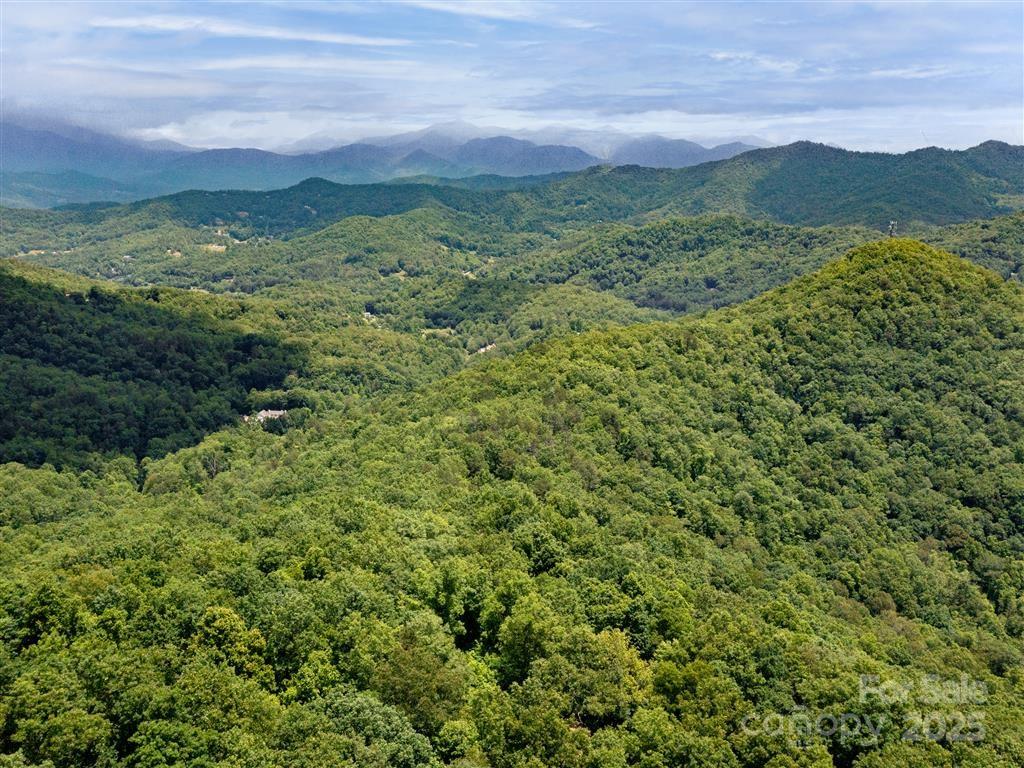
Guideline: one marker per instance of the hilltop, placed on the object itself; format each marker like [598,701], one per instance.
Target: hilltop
[806,183]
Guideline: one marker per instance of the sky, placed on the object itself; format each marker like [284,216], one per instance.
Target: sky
[887,76]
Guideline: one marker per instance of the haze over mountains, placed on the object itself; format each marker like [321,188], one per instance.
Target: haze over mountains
[48,164]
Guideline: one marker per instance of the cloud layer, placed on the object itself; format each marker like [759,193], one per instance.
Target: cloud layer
[867,76]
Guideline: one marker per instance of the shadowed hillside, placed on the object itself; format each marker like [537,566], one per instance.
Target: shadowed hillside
[88,370]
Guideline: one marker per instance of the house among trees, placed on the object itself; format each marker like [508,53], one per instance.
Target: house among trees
[265,415]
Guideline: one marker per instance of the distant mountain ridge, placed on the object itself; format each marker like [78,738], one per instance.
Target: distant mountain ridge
[42,167]
[659,152]
[516,157]
[803,183]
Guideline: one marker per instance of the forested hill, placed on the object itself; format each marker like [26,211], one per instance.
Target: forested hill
[85,370]
[621,548]
[688,264]
[801,183]
[806,183]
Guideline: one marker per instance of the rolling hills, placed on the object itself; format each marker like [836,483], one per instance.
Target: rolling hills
[410,257]
[626,547]
[612,467]
[802,183]
[458,270]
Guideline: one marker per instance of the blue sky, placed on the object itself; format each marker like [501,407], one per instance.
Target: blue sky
[887,76]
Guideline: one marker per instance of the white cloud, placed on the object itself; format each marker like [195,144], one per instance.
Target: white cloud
[220,28]
[760,61]
[911,73]
[84,79]
[230,128]
[510,11]
[505,10]
[391,69]
[994,49]
[865,76]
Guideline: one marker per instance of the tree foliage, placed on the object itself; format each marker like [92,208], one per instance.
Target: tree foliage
[608,550]
[99,371]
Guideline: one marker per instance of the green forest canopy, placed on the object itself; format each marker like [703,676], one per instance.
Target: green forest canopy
[605,551]
[615,546]
[86,370]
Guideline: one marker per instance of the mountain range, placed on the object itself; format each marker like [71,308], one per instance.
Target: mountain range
[609,466]
[802,183]
[47,165]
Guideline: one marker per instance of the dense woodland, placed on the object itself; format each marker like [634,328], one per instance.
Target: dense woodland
[585,471]
[87,370]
